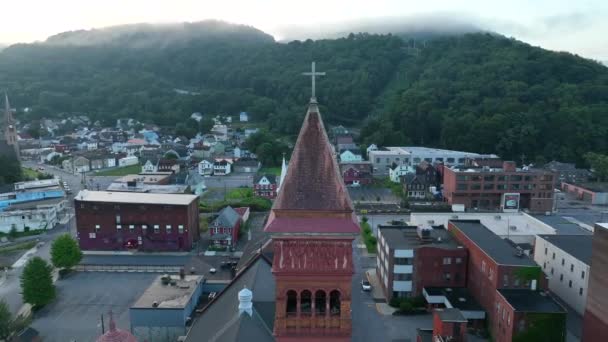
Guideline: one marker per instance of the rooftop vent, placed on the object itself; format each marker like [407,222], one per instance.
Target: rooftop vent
[520,252]
[245,301]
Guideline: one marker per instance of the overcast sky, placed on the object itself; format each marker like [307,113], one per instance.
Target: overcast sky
[578,26]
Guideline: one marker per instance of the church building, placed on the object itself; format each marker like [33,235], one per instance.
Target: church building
[298,286]
[8,130]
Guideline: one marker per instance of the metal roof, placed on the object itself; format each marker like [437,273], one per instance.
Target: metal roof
[579,246]
[136,198]
[493,245]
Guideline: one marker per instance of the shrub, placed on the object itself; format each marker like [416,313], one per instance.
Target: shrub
[406,306]
[418,302]
[364,219]
[26,229]
[5,320]
[394,302]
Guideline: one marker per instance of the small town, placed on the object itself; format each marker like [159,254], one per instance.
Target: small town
[246,224]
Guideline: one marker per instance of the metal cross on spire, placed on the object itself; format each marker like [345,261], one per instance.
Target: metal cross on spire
[312,75]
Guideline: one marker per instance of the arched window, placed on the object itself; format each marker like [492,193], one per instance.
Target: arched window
[292,302]
[334,302]
[320,302]
[305,302]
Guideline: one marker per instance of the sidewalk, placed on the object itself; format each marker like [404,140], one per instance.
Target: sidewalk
[377,294]
[136,253]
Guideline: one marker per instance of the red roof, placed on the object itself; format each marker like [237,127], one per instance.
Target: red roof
[241,211]
[313,197]
[311,225]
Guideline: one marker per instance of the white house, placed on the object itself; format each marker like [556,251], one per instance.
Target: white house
[126,161]
[205,168]
[244,117]
[372,147]
[42,217]
[222,167]
[400,170]
[348,156]
[149,167]
[237,152]
[565,260]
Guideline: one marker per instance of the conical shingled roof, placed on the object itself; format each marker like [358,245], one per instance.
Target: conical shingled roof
[313,181]
[313,197]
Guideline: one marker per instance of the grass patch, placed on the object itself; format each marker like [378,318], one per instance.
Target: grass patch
[121,171]
[254,203]
[368,236]
[22,234]
[396,188]
[271,170]
[29,173]
[18,247]
[239,193]
[203,224]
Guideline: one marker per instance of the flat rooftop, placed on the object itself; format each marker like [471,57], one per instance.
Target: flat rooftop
[450,315]
[143,178]
[493,245]
[499,223]
[169,296]
[477,169]
[134,197]
[531,301]
[406,237]
[149,188]
[563,226]
[459,297]
[579,246]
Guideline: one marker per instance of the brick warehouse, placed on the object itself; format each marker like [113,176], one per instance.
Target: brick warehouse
[504,281]
[143,221]
[483,188]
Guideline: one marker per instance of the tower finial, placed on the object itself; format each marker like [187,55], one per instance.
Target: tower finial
[312,75]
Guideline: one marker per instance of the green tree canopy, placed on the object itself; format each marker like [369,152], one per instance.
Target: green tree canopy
[5,320]
[599,164]
[37,285]
[65,252]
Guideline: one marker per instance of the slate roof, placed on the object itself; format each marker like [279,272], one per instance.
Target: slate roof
[271,178]
[494,246]
[228,217]
[220,320]
[313,181]
[579,246]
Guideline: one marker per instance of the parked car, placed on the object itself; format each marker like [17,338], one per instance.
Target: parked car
[365,285]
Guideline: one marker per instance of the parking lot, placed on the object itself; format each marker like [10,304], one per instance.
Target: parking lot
[82,298]
[370,194]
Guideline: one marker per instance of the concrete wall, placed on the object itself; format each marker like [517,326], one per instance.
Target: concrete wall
[567,280]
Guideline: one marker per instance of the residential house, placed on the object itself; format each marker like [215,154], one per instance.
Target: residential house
[222,167]
[205,167]
[149,166]
[129,160]
[243,117]
[81,164]
[349,156]
[168,165]
[396,171]
[265,186]
[356,174]
[250,131]
[246,165]
[414,186]
[237,152]
[224,230]
[567,172]
[196,116]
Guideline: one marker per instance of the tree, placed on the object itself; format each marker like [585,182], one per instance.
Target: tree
[599,164]
[37,285]
[5,320]
[13,232]
[65,252]
[205,125]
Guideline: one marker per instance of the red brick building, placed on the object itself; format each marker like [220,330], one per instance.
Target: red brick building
[143,221]
[312,224]
[410,258]
[356,173]
[504,281]
[595,321]
[265,186]
[484,187]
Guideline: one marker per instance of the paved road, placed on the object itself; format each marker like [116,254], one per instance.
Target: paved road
[368,323]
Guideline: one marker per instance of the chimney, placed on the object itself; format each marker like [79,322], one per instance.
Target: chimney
[245,303]
[509,166]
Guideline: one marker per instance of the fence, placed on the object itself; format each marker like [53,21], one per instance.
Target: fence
[128,268]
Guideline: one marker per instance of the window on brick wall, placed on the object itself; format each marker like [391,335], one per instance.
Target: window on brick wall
[144,227]
[117,218]
[156,228]
[97,227]
[491,275]
[459,260]
[447,276]
[180,228]
[447,261]
[483,266]
[505,280]
[118,227]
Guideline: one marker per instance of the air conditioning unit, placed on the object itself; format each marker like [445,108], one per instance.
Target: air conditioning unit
[430,221]
[513,227]
[454,217]
[497,217]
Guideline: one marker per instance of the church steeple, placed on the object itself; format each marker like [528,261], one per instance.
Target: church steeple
[9,130]
[312,226]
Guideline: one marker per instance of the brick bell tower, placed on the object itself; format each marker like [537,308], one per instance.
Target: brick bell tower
[312,225]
